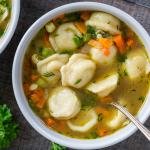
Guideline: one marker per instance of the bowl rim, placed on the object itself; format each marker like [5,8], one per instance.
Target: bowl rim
[12,24]
[35,121]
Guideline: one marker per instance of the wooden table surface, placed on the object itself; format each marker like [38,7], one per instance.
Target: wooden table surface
[31,10]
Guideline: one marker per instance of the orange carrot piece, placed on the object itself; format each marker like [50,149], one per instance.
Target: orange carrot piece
[105,42]
[80,26]
[50,122]
[34,77]
[102,132]
[106,99]
[85,15]
[130,42]
[95,43]
[35,98]
[119,41]
[101,110]
[106,51]
[41,103]
[26,87]
[46,40]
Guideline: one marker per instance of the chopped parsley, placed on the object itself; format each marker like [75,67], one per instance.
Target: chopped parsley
[121,58]
[78,40]
[78,81]
[48,74]
[142,98]
[92,31]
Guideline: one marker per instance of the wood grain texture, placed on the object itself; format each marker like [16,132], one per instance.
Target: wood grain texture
[31,10]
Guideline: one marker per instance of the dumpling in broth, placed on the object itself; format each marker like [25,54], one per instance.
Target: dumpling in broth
[64,37]
[105,22]
[78,71]
[49,68]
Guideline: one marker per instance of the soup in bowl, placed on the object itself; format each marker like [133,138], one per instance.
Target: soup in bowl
[9,14]
[76,63]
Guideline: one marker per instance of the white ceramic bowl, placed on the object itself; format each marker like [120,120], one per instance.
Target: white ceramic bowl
[15,11]
[22,101]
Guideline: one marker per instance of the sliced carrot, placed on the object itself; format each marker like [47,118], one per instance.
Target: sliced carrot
[26,87]
[50,122]
[106,51]
[80,26]
[106,99]
[101,110]
[85,15]
[105,42]
[120,43]
[95,43]
[40,104]
[46,40]
[35,98]
[102,132]
[34,77]
[130,42]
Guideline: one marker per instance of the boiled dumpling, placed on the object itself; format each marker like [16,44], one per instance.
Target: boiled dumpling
[78,71]
[117,120]
[105,22]
[100,58]
[105,86]
[136,64]
[84,121]
[63,103]
[3,13]
[49,68]
[63,38]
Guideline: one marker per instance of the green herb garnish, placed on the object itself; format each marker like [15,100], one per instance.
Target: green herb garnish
[142,98]
[72,16]
[78,40]
[121,58]
[8,128]
[1,32]
[88,99]
[55,146]
[92,31]
[93,135]
[100,117]
[48,74]
[78,81]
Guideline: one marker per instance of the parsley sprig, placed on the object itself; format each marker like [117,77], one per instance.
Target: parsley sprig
[8,128]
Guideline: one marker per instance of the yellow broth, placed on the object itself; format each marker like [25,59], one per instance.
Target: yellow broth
[132,91]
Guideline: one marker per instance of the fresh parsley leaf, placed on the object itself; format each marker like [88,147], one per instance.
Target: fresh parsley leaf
[121,58]
[78,40]
[100,117]
[8,128]
[1,32]
[78,81]
[48,74]
[88,99]
[73,16]
[55,146]
[92,31]
[142,98]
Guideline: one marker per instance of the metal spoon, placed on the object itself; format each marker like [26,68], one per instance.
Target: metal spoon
[136,122]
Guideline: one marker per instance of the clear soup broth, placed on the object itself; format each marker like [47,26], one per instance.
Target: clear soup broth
[76,65]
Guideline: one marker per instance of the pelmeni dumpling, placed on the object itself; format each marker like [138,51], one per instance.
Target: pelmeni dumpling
[84,121]
[117,120]
[105,86]
[105,22]
[49,68]
[63,103]
[63,38]
[78,71]
[3,13]
[137,64]
[100,58]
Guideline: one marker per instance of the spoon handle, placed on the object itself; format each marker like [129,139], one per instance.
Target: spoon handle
[138,124]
